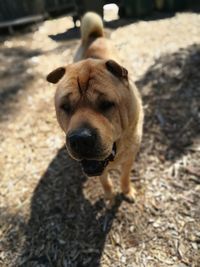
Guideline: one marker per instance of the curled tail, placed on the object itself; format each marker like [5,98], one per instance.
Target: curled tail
[91,26]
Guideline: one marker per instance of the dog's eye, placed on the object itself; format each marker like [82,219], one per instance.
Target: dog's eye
[66,108]
[106,105]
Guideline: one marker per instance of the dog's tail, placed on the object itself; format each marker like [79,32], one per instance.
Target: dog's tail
[91,26]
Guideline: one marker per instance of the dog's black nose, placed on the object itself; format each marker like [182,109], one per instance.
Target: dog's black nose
[82,141]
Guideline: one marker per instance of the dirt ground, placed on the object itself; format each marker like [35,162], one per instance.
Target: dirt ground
[50,214]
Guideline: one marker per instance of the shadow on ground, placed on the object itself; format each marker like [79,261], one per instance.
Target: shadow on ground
[65,229]
[121,22]
[15,74]
[70,34]
[171,94]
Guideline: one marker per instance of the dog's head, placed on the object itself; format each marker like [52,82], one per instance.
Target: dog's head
[93,107]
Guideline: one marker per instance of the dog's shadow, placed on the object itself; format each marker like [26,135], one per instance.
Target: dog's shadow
[65,229]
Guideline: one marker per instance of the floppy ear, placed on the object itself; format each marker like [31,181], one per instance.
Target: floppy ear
[116,69]
[56,75]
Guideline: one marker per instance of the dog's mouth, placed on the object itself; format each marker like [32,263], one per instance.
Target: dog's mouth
[96,167]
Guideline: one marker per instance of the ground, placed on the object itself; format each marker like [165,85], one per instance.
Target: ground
[51,214]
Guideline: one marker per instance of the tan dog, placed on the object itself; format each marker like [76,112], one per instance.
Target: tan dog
[99,109]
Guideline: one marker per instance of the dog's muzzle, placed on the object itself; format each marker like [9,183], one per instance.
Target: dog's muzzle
[82,142]
[95,167]
[85,146]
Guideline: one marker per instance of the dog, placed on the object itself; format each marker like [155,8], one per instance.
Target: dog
[99,108]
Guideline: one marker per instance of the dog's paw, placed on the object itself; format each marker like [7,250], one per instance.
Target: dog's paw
[130,196]
[110,199]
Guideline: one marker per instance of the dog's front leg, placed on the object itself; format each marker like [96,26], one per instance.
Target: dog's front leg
[126,187]
[108,187]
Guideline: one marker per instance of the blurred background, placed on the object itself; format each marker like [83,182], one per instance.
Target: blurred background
[20,12]
[50,213]
[23,12]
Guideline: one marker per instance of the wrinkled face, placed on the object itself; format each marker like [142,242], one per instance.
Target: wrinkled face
[93,107]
